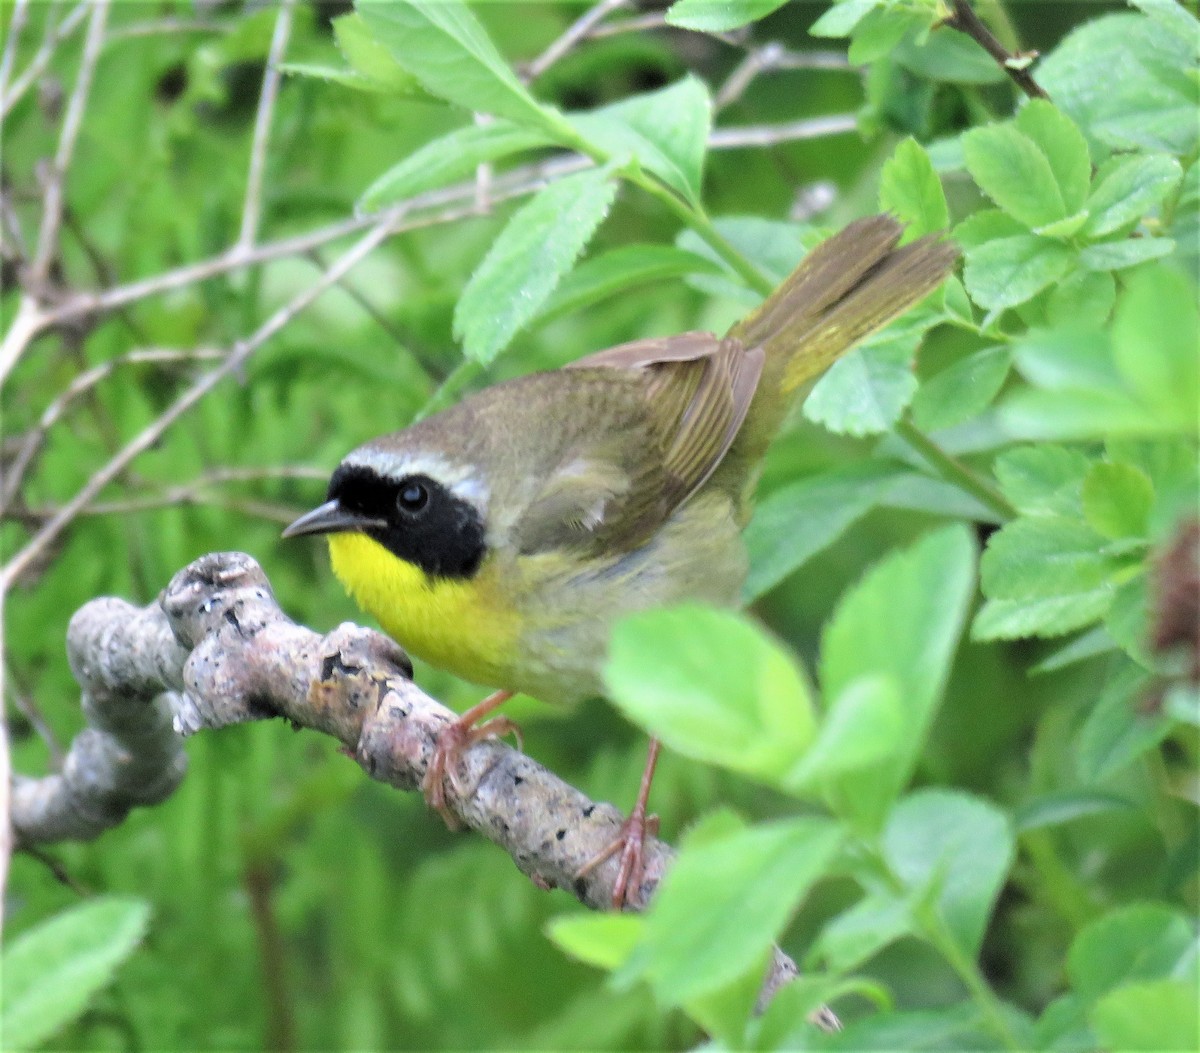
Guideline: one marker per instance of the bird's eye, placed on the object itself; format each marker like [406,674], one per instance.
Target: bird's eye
[412,498]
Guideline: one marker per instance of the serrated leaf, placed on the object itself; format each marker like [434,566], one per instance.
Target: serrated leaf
[1043,479]
[1084,299]
[1117,499]
[962,391]
[1036,557]
[1126,188]
[795,522]
[1064,147]
[1048,617]
[902,621]
[1010,271]
[719,16]
[910,189]
[866,390]
[53,970]
[987,225]
[666,131]
[627,267]
[959,847]
[948,57]
[453,156]
[444,46]
[1144,98]
[528,259]
[1010,168]
[347,78]
[1154,333]
[1117,255]
[369,58]
[722,905]
[726,693]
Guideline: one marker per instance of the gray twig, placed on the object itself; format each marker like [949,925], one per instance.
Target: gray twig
[965,20]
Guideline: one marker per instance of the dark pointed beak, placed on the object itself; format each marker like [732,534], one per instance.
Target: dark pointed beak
[332,518]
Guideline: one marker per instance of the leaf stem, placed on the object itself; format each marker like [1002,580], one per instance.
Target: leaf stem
[954,471]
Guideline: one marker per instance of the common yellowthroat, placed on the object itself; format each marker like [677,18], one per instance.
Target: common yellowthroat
[502,538]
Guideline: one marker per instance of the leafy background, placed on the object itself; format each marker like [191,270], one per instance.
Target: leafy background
[956,780]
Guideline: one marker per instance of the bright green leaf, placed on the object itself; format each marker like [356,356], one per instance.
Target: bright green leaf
[1055,809]
[1131,943]
[712,686]
[866,390]
[1117,255]
[902,621]
[719,16]
[369,58]
[874,922]
[962,391]
[1127,188]
[1064,147]
[1149,1017]
[1036,557]
[528,259]
[721,906]
[910,189]
[948,57]
[53,970]
[958,845]
[1043,479]
[1015,173]
[880,32]
[1084,299]
[444,46]
[1116,500]
[1115,733]
[1047,617]
[603,940]
[842,17]
[795,522]
[1009,271]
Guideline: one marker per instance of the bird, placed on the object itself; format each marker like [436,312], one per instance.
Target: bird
[502,538]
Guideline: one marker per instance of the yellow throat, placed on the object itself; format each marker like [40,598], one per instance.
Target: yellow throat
[461,625]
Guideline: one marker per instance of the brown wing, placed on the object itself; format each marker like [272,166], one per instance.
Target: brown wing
[613,491]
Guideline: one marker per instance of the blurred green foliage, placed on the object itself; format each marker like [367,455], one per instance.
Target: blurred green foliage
[968,808]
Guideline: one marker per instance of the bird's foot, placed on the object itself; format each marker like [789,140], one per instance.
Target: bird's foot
[629,842]
[452,741]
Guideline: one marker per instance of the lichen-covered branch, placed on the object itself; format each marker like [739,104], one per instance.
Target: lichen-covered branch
[217,650]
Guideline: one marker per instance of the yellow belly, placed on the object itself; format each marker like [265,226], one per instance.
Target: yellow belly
[464,627]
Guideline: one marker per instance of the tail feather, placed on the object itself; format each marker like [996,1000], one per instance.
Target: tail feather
[844,290]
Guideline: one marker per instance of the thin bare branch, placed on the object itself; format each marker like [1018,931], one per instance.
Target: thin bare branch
[252,206]
[774,56]
[37,65]
[154,431]
[574,35]
[965,20]
[52,202]
[16,26]
[773,134]
[167,26]
[15,471]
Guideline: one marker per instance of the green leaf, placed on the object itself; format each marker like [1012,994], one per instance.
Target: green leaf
[1043,479]
[1117,255]
[958,845]
[842,17]
[962,391]
[987,225]
[53,970]
[443,45]
[1056,809]
[666,131]
[1126,188]
[1068,358]
[347,78]
[712,686]
[874,922]
[902,621]
[723,904]
[1115,733]
[795,522]
[1064,147]
[866,390]
[881,31]
[719,16]
[1084,299]
[1087,645]
[1015,173]
[1131,943]
[949,57]
[1143,97]
[453,156]
[368,58]
[1149,1017]
[1117,498]
[1010,271]
[1155,343]
[911,190]
[1174,16]
[626,267]
[528,259]
[603,940]
[859,730]
[1048,617]
[1041,556]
